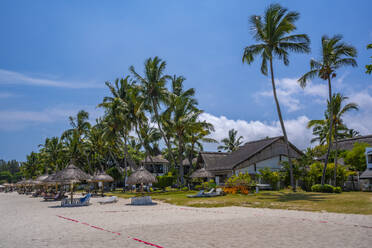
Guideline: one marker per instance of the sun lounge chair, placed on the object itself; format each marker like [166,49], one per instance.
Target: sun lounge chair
[106,200]
[84,201]
[199,194]
[218,192]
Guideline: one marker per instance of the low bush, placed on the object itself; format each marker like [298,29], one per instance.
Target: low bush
[326,188]
[185,189]
[165,181]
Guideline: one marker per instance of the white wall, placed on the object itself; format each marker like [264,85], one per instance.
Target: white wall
[272,163]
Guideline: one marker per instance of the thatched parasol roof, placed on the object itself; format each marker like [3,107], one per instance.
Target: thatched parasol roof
[70,174]
[42,178]
[141,176]
[101,177]
[29,182]
[201,173]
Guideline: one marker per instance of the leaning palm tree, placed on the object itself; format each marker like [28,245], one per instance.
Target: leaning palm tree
[335,54]
[232,142]
[273,30]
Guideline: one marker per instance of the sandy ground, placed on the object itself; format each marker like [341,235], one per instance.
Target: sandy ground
[31,222]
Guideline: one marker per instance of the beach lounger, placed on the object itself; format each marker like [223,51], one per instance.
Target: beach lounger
[199,194]
[219,192]
[84,201]
[106,200]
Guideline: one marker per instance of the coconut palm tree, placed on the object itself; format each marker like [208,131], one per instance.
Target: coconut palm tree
[338,111]
[335,54]
[273,30]
[340,131]
[50,152]
[80,124]
[232,142]
[153,87]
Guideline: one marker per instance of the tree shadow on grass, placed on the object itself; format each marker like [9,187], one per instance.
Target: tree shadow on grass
[288,197]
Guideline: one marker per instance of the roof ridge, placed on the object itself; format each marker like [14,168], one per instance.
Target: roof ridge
[356,138]
[267,138]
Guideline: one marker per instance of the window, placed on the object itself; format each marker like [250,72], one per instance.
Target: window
[369,158]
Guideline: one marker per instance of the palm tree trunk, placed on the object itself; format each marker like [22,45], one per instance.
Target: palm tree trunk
[283,127]
[335,170]
[162,132]
[180,159]
[125,162]
[330,131]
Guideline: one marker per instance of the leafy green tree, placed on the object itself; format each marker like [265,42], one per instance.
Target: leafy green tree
[273,30]
[232,142]
[356,157]
[335,54]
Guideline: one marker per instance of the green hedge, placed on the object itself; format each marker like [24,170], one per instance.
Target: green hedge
[165,181]
[326,188]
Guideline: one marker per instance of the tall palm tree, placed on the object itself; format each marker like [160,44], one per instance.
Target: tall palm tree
[232,142]
[335,54]
[340,131]
[338,111]
[80,124]
[118,106]
[273,30]
[51,152]
[153,87]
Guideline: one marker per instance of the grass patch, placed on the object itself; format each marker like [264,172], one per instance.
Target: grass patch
[346,202]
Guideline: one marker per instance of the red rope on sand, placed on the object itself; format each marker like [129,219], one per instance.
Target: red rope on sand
[117,233]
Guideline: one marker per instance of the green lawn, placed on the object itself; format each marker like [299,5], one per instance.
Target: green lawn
[346,202]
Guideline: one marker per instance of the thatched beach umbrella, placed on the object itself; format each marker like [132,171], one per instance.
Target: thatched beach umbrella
[141,176]
[70,175]
[102,177]
[201,173]
[42,178]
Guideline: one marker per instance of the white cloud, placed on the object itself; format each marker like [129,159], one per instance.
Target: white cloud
[298,134]
[290,92]
[19,119]
[11,77]
[360,120]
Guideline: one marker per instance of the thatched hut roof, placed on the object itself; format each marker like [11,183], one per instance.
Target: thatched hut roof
[101,177]
[186,161]
[273,146]
[155,160]
[141,176]
[70,174]
[42,178]
[201,173]
[367,174]
[348,144]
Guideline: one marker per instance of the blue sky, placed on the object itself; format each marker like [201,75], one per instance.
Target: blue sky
[56,55]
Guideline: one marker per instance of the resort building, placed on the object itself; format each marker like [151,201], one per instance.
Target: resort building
[157,165]
[249,158]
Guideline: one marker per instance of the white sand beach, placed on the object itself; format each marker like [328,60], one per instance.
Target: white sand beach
[30,222]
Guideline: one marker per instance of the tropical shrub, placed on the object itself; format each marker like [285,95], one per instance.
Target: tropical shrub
[271,177]
[240,183]
[326,188]
[356,157]
[165,181]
